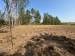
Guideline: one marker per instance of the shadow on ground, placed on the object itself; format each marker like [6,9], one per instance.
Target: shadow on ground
[48,45]
[2,31]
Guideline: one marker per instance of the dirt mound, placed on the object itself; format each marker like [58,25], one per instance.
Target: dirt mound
[48,45]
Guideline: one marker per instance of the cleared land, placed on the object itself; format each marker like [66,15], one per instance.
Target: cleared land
[22,34]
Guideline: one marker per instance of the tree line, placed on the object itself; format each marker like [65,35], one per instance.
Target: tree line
[16,13]
[33,17]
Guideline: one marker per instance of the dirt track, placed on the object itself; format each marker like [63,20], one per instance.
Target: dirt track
[21,34]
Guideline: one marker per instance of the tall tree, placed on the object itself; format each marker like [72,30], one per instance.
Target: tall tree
[15,6]
[57,21]
[33,15]
[21,4]
[2,21]
[37,17]
[28,17]
[47,19]
[21,16]
[10,5]
[33,11]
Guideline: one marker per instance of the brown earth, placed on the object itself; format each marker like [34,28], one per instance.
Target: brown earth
[49,45]
[22,34]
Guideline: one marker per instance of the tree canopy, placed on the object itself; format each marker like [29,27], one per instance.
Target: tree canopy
[33,16]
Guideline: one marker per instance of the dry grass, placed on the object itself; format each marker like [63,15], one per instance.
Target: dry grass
[21,34]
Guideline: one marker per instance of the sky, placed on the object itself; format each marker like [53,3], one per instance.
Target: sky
[64,9]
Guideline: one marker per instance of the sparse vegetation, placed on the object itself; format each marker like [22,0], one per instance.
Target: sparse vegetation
[48,45]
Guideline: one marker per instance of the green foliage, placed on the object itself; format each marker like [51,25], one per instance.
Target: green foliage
[28,16]
[37,17]
[21,16]
[17,6]
[47,19]
[50,20]
[24,18]
[2,21]
[32,11]
[57,21]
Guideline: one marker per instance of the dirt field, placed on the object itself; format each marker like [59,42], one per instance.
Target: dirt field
[21,34]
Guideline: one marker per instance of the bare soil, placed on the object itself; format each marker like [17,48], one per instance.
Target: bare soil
[22,34]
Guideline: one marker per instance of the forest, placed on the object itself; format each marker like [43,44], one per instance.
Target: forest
[20,15]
